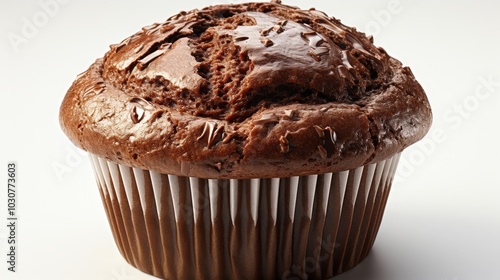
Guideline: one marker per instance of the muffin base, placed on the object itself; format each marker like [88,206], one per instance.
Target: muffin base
[304,227]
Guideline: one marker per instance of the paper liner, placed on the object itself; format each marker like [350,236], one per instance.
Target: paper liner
[307,227]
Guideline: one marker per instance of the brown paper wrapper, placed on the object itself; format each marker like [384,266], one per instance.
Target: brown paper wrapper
[304,227]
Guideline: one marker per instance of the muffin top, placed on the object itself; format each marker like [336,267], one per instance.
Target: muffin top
[255,90]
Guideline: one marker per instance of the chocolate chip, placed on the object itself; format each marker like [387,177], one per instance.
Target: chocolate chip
[239,39]
[96,89]
[282,22]
[278,28]
[266,119]
[328,139]
[143,63]
[212,134]
[284,143]
[166,27]
[81,75]
[266,42]
[137,114]
[138,48]
[99,87]
[322,152]
[265,32]
[139,108]
[314,55]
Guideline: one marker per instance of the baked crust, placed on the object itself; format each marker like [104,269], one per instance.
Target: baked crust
[251,90]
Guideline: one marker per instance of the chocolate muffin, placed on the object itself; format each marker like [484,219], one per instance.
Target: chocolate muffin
[245,141]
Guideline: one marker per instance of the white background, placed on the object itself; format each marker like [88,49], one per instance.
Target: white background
[442,221]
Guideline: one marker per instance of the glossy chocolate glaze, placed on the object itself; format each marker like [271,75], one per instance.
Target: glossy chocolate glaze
[254,90]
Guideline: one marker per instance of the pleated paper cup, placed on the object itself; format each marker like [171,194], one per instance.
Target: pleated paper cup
[304,227]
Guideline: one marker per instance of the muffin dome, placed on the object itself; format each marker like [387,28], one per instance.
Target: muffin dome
[243,91]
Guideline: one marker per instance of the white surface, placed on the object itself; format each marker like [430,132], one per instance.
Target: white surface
[442,221]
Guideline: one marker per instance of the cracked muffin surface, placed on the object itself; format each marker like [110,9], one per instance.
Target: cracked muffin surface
[254,90]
